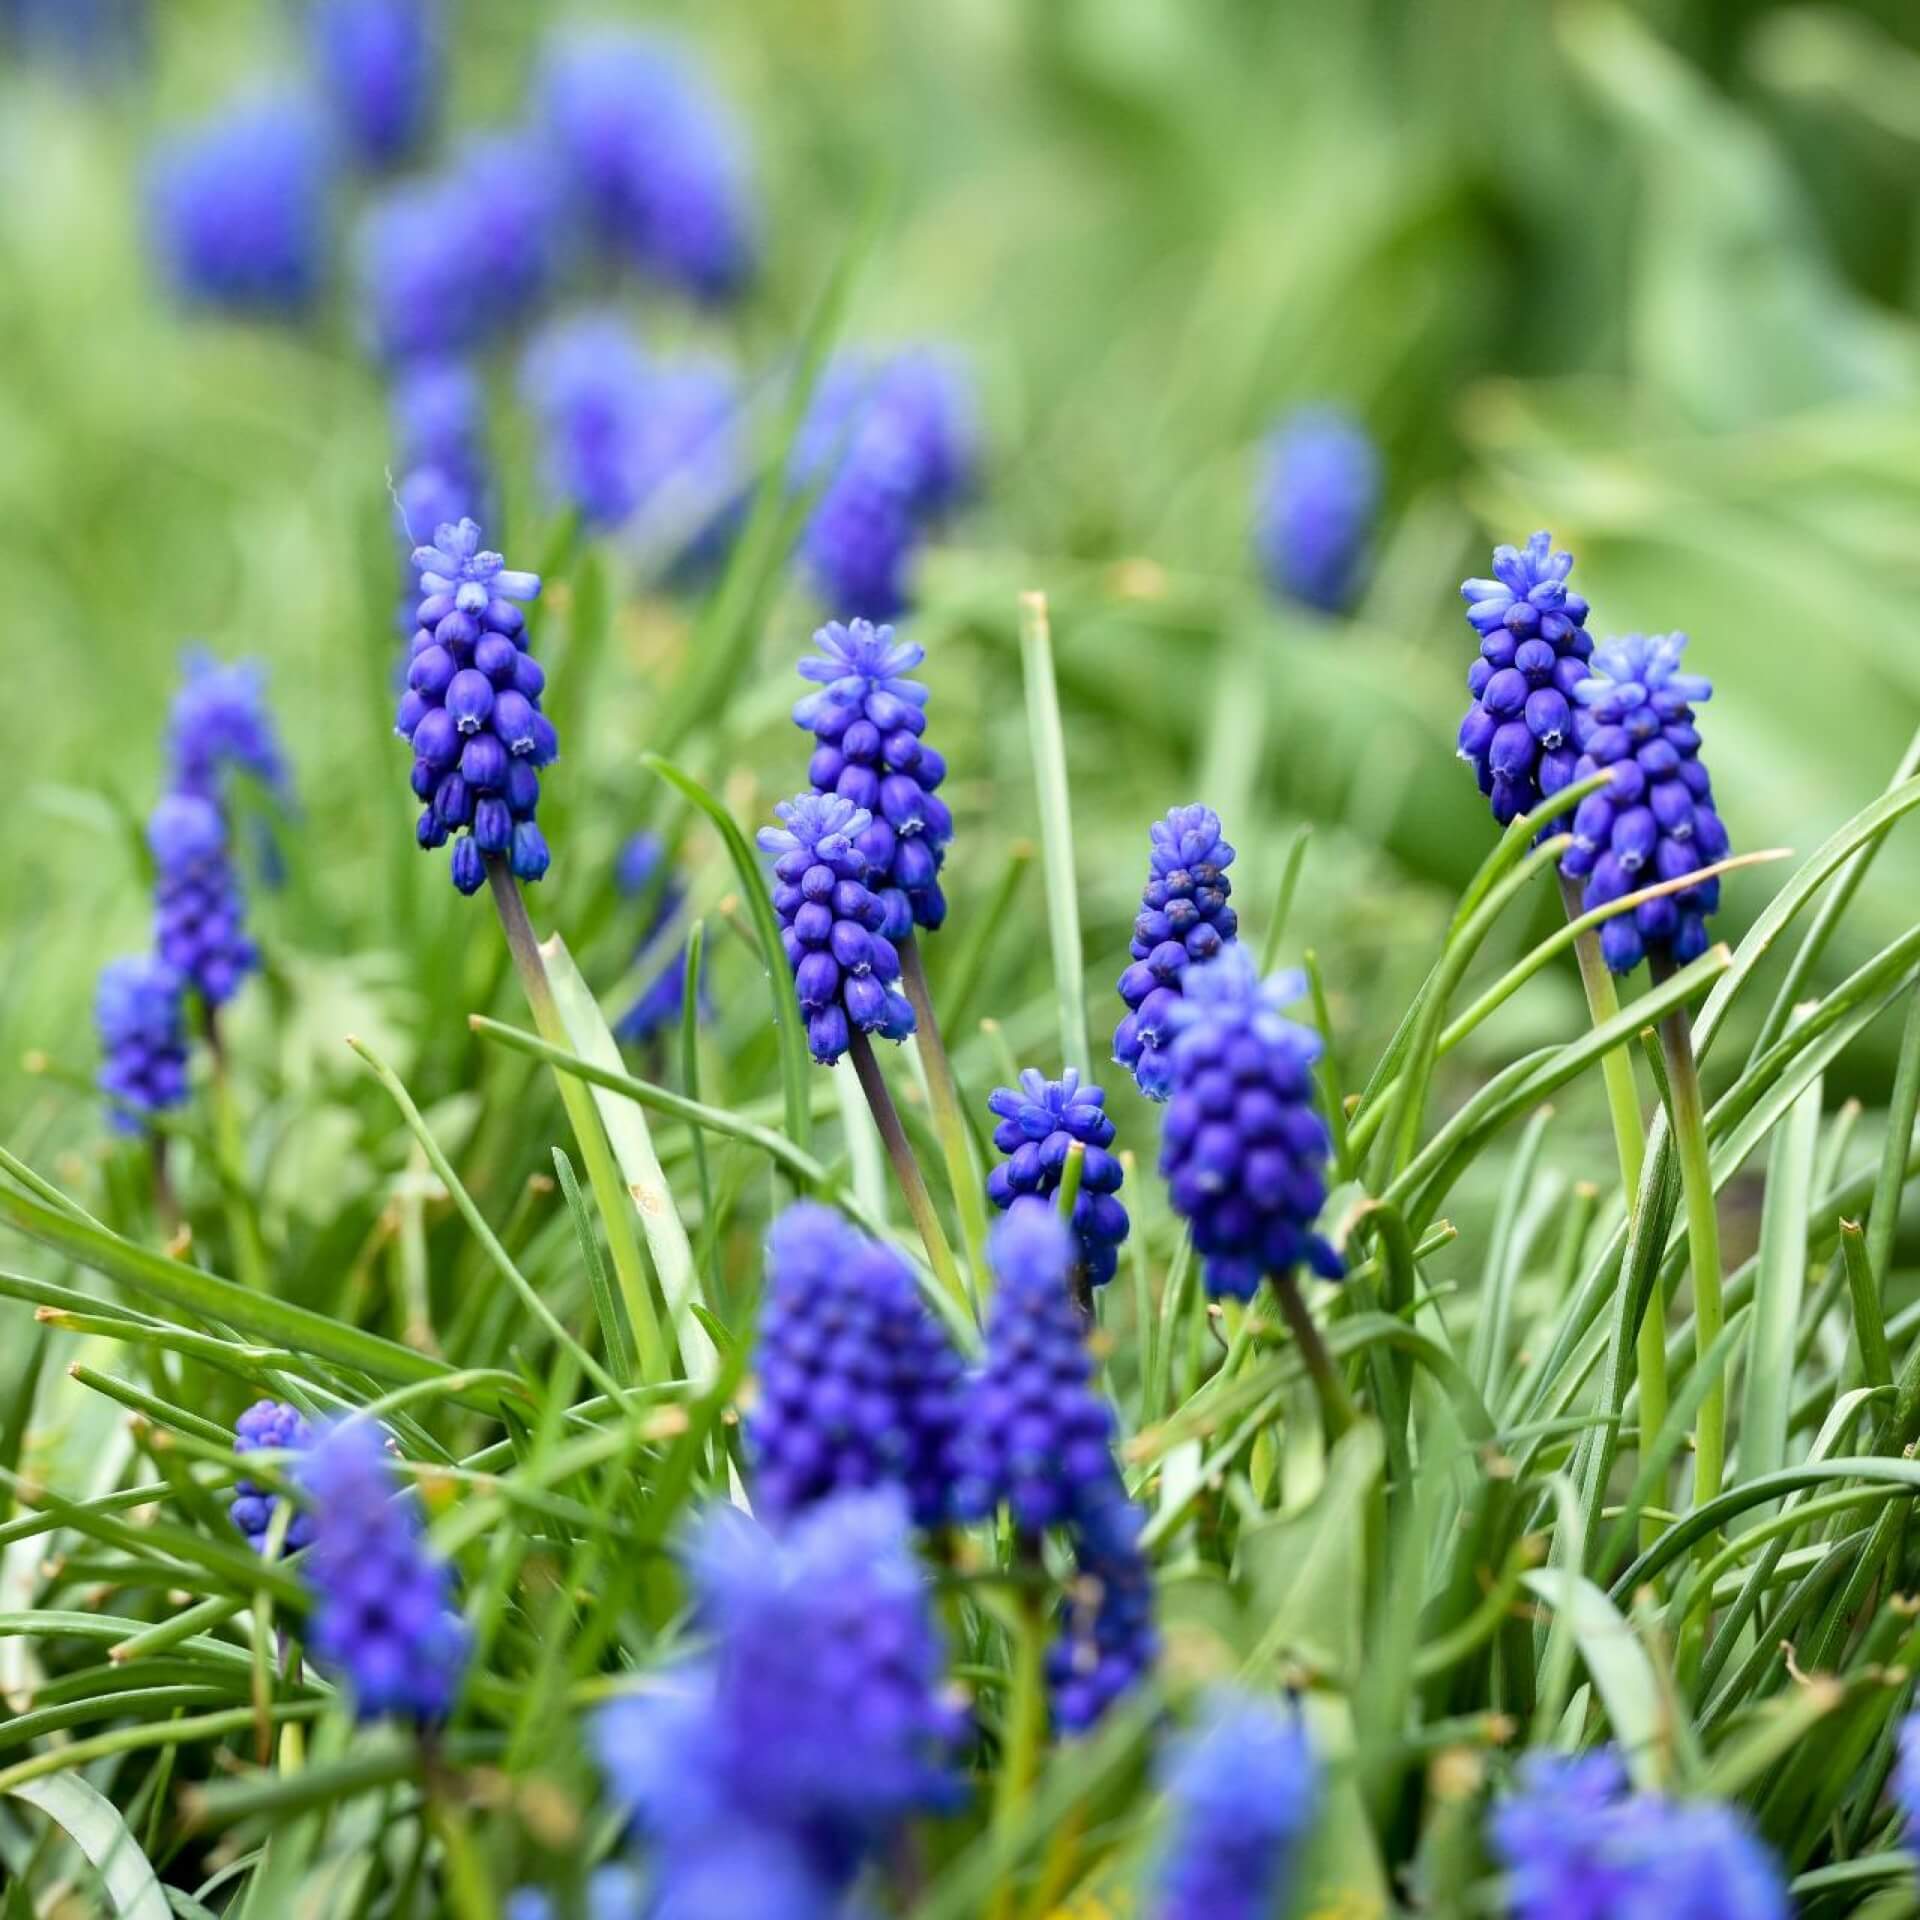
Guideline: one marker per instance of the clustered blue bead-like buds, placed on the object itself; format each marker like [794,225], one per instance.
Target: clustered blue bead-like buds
[891,444]
[220,724]
[858,1384]
[1573,1838]
[867,719]
[653,164]
[380,61]
[471,710]
[1519,733]
[1242,1789]
[1319,496]
[1244,1151]
[1107,1640]
[269,1426]
[1654,820]
[1183,917]
[818,1724]
[832,924]
[240,210]
[139,1012]
[384,1616]
[1040,1122]
[199,909]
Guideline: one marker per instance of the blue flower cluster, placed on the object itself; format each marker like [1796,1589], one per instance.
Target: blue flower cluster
[1183,917]
[381,64]
[269,1426]
[1040,1121]
[440,448]
[1242,1789]
[1905,1782]
[858,1384]
[1655,819]
[199,911]
[239,210]
[220,724]
[1518,735]
[1244,1152]
[641,873]
[1574,1840]
[867,719]
[140,1014]
[383,1602]
[472,710]
[1319,497]
[816,1725]
[653,165]
[891,444]
[1107,1640]
[831,924]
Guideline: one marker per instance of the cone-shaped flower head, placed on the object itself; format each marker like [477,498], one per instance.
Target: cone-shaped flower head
[221,724]
[200,914]
[139,1011]
[239,207]
[1574,1841]
[831,921]
[1242,1789]
[1040,1120]
[1519,733]
[1183,917]
[818,1717]
[1319,497]
[867,719]
[654,165]
[1034,1432]
[859,1385]
[451,263]
[1654,820]
[380,61]
[471,710]
[269,1426]
[383,1602]
[440,448]
[1106,1640]
[891,445]
[1244,1152]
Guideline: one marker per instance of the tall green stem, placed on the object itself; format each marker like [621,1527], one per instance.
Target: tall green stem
[1026,1721]
[1703,1245]
[609,1191]
[1336,1404]
[1630,1146]
[249,1255]
[906,1169]
[949,1121]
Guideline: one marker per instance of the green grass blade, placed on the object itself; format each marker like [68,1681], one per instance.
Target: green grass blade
[95,1826]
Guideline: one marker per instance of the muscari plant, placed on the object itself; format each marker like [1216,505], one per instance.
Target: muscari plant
[407,1569]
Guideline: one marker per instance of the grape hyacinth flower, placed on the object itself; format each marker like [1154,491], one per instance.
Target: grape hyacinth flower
[440,447]
[472,710]
[1242,1790]
[586,383]
[1905,1784]
[1035,1434]
[1107,1641]
[641,873]
[1518,735]
[1244,1152]
[652,162]
[866,719]
[858,1384]
[383,1603]
[1319,496]
[239,210]
[381,61]
[844,966]
[1654,820]
[199,911]
[818,1721]
[1183,917]
[220,724]
[1040,1120]
[274,1427]
[139,1010]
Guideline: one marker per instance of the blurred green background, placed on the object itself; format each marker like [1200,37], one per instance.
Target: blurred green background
[1644,276]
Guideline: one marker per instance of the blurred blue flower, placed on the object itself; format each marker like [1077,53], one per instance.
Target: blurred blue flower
[1040,1120]
[1106,1641]
[220,723]
[84,39]
[1243,1150]
[240,209]
[381,61]
[274,1427]
[642,873]
[384,1615]
[199,911]
[139,1011]
[1906,1779]
[439,416]
[654,166]
[1183,917]
[1318,501]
